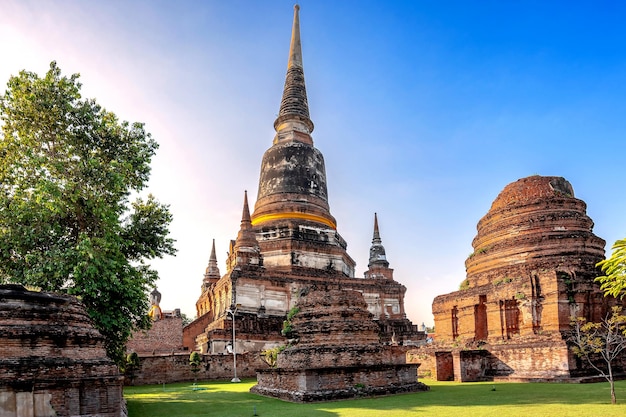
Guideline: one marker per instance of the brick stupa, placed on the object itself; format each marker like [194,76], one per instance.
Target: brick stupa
[52,359]
[532,270]
[338,354]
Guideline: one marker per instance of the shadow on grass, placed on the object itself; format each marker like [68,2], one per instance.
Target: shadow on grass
[227,399]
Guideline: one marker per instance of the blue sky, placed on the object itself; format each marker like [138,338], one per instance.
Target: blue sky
[424,111]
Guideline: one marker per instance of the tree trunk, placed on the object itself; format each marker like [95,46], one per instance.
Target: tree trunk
[612,384]
[613,399]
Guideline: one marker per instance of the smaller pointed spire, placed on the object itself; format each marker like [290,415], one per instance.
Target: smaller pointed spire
[212,273]
[376,238]
[377,251]
[213,257]
[246,236]
[245,215]
[245,249]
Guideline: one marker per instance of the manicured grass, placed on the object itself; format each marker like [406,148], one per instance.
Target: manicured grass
[225,399]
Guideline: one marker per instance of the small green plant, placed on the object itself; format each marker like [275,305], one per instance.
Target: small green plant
[504,280]
[426,374]
[292,313]
[131,364]
[520,296]
[194,362]
[270,356]
[479,251]
[287,327]
[464,285]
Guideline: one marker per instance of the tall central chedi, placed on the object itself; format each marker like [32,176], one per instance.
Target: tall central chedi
[291,216]
[290,244]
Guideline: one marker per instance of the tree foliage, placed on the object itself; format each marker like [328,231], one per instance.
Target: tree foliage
[605,340]
[185,319]
[67,171]
[614,281]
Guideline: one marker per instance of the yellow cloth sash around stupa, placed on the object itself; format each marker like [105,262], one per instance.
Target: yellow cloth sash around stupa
[256,220]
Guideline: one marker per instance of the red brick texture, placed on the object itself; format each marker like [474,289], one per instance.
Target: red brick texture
[52,360]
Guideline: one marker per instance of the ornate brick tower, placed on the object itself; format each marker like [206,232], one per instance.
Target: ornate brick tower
[290,244]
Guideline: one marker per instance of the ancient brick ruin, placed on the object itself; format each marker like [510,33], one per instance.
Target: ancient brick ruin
[52,360]
[336,353]
[164,336]
[288,243]
[532,269]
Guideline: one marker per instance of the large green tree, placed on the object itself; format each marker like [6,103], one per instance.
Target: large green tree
[67,171]
[614,281]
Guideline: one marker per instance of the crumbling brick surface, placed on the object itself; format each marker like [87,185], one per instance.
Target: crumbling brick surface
[52,357]
[533,266]
[168,368]
[337,353]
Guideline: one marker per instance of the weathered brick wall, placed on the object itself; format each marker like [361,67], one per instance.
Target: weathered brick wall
[530,359]
[193,329]
[166,335]
[159,369]
[542,361]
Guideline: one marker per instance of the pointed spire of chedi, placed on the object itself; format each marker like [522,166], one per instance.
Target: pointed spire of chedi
[378,267]
[246,236]
[292,184]
[293,122]
[212,273]
[377,251]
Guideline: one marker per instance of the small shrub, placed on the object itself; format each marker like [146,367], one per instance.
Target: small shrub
[287,328]
[194,362]
[131,364]
[504,280]
[270,356]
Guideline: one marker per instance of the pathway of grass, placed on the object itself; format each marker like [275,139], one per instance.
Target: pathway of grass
[225,399]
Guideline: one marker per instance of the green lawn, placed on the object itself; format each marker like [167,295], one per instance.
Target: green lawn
[225,399]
